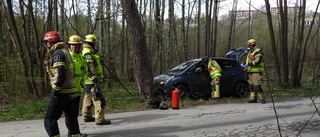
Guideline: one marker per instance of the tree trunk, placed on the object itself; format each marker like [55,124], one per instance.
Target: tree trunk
[296,57]
[215,28]
[273,41]
[89,29]
[208,26]
[15,37]
[29,65]
[138,44]
[232,25]
[183,32]
[158,29]
[198,47]
[283,37]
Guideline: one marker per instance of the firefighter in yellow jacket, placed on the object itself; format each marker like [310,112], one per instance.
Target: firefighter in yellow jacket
[79,71]
[60,68]
[255,68]
[215,73]
[93,93]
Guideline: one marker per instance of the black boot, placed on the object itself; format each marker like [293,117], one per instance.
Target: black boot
[105,122]
[89,119]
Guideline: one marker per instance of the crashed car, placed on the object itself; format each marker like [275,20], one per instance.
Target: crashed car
[192,78]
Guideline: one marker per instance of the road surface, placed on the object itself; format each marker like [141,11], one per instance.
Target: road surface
[221,120]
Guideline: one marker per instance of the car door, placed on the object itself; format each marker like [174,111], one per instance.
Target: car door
[230,72]
[199,81]
[237,54]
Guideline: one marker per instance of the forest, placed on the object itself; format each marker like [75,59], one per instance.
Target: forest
[140,39]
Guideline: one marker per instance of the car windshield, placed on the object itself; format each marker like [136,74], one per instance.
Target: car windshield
[183,66]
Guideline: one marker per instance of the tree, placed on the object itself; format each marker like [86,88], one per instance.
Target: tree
[283,37]
[272,38]
[18,44]
[215,31]
[232,25]
[138,44]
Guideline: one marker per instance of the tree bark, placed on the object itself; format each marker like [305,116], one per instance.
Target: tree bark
[15,37]
[138,44]
[215,28]
[273,41]
[232,25]
[283,37]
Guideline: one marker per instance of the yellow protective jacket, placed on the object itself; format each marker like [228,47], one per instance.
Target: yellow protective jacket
[60,69]
[214,69]
[94,74]
[255,60]
[80,68]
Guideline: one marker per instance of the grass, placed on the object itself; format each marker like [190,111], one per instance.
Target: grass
[120,100]
[23,110]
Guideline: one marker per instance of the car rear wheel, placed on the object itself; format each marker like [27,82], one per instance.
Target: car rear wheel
[241,89]
[184,91]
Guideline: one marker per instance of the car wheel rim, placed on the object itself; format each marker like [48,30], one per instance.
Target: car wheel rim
[241,90]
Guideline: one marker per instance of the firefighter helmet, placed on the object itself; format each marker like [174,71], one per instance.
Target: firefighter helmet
[52,36]
[252,42]
[74,39]
[90,38]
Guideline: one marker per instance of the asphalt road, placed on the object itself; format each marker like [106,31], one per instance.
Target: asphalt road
[222,120]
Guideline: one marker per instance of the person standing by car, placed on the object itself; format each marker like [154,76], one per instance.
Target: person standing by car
[93,93]
[255,68]
[60,68]
[80,72]
[215,74]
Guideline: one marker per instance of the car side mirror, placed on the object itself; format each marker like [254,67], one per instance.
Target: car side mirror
[198,70]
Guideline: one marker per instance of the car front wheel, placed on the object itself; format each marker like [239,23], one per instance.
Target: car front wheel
[241,89]
[184,91]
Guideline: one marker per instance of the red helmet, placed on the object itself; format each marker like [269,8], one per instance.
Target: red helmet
[52,36]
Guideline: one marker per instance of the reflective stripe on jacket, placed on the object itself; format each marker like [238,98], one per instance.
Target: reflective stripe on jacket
[214,69]
[94,66]
[255,61]
[80,71]
[60,69]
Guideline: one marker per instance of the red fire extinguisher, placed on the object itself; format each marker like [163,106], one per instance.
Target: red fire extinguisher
[175,99]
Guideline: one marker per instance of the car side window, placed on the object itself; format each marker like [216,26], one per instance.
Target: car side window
[227,64]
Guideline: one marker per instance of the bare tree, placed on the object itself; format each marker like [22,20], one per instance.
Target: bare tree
[215,28]
[283,37]
[296,58]
[208,28]
[138,44]
[16,38]
[183,31]
[232,25]
[198,30]
[272,38]
[158,29]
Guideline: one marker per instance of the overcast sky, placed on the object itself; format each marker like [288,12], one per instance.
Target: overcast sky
[243,5]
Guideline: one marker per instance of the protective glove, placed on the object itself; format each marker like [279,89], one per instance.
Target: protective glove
[55,93]
[97,93]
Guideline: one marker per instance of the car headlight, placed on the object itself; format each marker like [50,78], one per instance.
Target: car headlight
[169,79]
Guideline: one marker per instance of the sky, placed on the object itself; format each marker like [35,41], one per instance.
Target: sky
[226,6]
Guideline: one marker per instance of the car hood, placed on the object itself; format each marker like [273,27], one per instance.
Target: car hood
[162,77]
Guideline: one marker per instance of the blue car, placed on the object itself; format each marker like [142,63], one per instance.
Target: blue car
[192,79]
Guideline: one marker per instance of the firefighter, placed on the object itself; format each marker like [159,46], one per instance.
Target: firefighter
[93,95]
[255,68]
[215,73]
[80,71]
[60,68]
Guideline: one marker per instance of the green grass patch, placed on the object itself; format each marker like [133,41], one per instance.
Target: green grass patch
[120,100]
[23,110]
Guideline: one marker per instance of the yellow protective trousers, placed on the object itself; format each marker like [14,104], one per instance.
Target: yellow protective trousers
[89,101]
